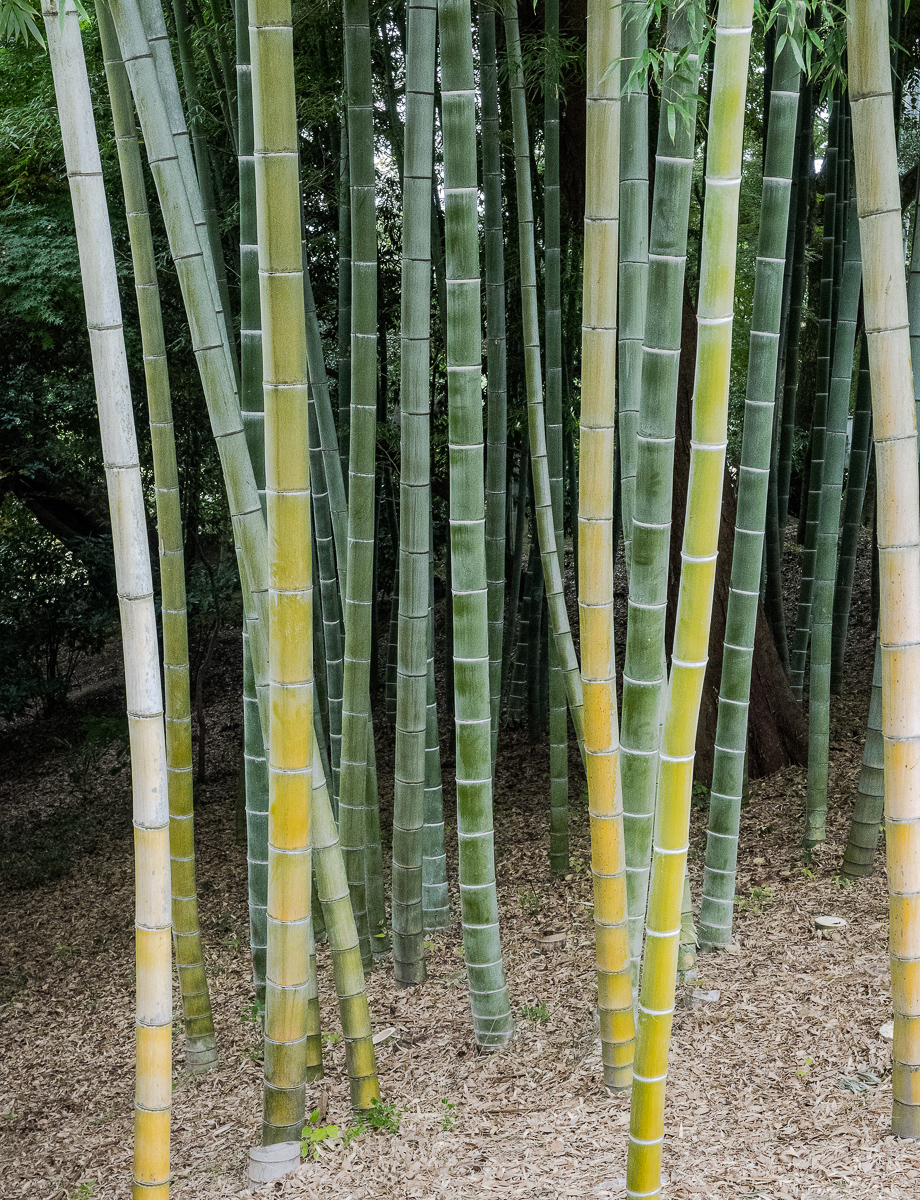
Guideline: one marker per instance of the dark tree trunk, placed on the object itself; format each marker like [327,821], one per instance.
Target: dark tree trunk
[777,731]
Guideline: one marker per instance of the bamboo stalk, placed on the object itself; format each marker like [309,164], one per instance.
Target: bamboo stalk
[729,764]
[869,807]
[472,712]
[895,433]
[595,545]
[200,1044]
[694,606]
[287,488]
[153,1013]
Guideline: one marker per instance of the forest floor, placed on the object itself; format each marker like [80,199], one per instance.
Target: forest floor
[760,1093]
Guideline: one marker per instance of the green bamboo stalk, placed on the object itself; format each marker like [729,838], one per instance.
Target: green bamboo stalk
[596,544]
[536,424]
[694,606]
[373,859]
[415,499]
[153,1013]
[253,417]
[359,584]
[200,1044]
[344,304]
[729,763]
[496,353]
[857,474]
[513,594]
[802,635]
[202,163]
[435,901]
[634,266]
[287,487]
[492,1021]
[869,808]
[341,931]
[895,433]
[828,536]
[552,272]
[644,675]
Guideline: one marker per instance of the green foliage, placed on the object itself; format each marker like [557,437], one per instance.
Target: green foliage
[448,1118]
[699,797]
[382,1117]
[17,21]
[538,1013]
[313,1135]
[57,605]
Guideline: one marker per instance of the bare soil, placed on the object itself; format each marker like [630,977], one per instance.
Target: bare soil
[761,1099]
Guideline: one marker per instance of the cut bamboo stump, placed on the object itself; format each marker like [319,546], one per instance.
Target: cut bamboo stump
[271,1162]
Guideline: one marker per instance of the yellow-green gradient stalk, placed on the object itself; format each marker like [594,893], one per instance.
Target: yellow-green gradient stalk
[878,204]
[290,615]
[694,606]
[595,545]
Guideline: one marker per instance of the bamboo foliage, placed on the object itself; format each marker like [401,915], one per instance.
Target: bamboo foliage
[153,1014]
[878,205]
[287,487]
[472,713]
[728,773]
[694,606]
[201,1049]
[595,546]
[415,496]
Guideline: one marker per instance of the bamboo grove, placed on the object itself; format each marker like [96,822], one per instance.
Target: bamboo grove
[495,371]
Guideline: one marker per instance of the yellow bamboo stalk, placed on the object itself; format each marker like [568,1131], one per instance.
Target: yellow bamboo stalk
[290,605]
[595,544]
[694,607]
[878,206]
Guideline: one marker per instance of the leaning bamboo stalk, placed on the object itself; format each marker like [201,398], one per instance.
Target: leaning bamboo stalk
[492,1020]
[201,1049]
[595,545]
[694,607]
[730,755]
[207,332]
[878,204]
[153,1014]
[287,491]
[533,372]
[644,675]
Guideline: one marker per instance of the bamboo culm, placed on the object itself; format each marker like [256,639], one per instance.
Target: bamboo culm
[200,1044]
[869,806]
[729,762]
[153,1012]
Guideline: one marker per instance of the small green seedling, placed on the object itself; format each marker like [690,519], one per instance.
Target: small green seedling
[314,1134]
[383,1116]
[538,1013]
[699,797]
[253,1012]
[83,1191]
[448,1120]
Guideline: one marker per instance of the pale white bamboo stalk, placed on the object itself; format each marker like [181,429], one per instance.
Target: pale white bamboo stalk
[894,428]
[135,600]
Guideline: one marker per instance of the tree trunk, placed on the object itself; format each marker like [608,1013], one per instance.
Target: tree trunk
[777,728]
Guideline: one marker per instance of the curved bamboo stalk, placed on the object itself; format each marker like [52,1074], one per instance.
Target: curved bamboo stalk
[359,581]
[496,356]
[153,1015]
[729,763]
[857,474]
[536,424]
[595,545]
[478,898]
[828,536]
[200,1044]
[869,808]
[634,265]
[287,490]
[895,433]
[694,606]
[415,499]
[644,675]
